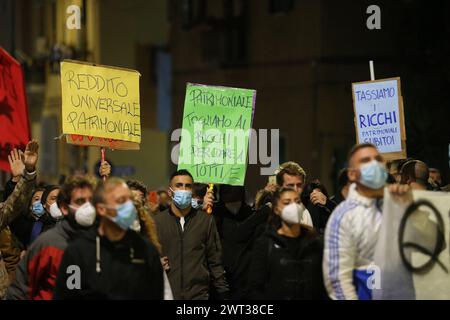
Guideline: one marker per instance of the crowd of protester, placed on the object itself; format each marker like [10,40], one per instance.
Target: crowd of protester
[113,239]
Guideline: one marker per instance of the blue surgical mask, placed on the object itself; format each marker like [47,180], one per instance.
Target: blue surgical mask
[373,175]
[37,208]
[196,203]
[126,215]
[182,198]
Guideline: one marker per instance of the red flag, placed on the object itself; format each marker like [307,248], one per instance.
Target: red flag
[14,125]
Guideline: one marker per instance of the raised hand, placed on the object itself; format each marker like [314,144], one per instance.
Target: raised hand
[401,193]
[105,169]
[30,157]
[16,164]
[318,197]
[208,200]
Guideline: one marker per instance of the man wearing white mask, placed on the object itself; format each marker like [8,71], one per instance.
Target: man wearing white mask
[36,272]
[352,230]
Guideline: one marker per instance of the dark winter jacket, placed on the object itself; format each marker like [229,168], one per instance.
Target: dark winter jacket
[18,200]
[320,214]
[195,254]
[36,272]
[236,251]
[337,198]
[126,269]
[287,268]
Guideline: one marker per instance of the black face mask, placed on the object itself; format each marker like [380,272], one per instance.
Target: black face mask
[233,206]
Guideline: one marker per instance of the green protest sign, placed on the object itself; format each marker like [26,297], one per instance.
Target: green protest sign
[215,133]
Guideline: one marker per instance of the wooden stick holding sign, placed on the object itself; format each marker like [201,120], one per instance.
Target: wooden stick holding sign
[372,72]
[210,190]
[103,161]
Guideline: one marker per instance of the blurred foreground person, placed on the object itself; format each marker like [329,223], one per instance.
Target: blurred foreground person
[113,261]
[148,229]
[352,230]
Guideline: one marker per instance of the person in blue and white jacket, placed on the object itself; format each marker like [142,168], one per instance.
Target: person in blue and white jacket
[352,230]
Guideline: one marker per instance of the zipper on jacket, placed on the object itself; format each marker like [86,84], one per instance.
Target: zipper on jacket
[181,233]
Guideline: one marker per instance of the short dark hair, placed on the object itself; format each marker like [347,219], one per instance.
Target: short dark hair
[358,147]
[182,172]
[309,188]
[47,191]
[37,189]
[199,190]
[434,170]
[138,185]
[290,168]
[342,178]
[415,170]
[70,184]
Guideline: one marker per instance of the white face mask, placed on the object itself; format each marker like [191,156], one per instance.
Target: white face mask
[55,212]
[233,207]
[85,215]
[293,213]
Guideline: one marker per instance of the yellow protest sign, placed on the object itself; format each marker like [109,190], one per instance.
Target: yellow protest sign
[100,101]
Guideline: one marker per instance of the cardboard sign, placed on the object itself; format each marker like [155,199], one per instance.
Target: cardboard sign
[379,117]
[100,101]
[112,144]
[14,125]
[412,251]
[215,134]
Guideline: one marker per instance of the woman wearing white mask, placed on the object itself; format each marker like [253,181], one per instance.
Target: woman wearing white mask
[287,258]
[48,200]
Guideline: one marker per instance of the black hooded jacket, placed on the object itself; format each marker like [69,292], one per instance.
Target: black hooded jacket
[236,249]
[127,269]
